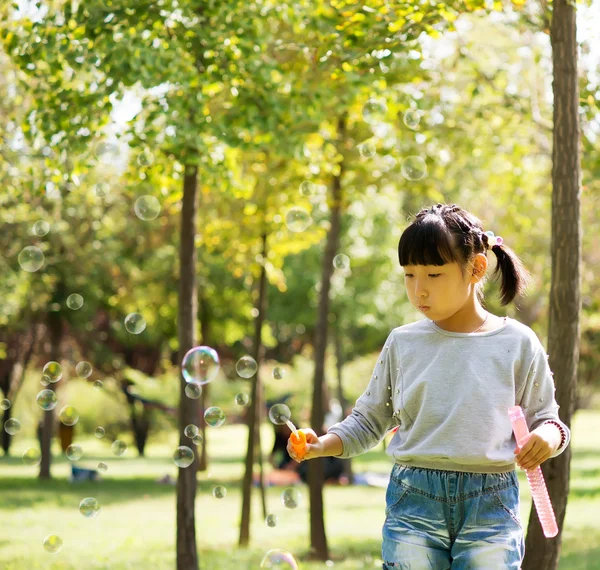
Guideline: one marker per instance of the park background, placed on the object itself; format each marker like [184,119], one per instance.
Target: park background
[103,106]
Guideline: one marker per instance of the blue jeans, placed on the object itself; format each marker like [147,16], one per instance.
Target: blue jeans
[442,520]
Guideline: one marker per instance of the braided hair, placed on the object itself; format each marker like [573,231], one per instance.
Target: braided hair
[446,233]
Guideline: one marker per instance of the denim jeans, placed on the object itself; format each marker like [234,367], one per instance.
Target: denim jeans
[442,520]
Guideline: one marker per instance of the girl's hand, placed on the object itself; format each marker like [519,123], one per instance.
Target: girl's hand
[539,447]
[314,448]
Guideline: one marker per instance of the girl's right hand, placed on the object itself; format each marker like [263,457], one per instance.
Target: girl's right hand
[314,448]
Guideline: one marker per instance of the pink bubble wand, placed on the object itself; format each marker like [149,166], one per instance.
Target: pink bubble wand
[535,477]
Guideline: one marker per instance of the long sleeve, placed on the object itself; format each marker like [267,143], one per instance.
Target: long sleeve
[537,401]
[372,416]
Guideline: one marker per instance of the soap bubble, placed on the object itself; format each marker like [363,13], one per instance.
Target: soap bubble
[246,367]
[101,189]
[107,153]
[413,168]
[119,447]
[99,432]
[135,323]
[278,558]
[89,507]
[103,467]
[4,404]
[69,415]
[297,219]
[53,543]
[32,457]
[200,365]
[214,416]
[242,399]
[74,452]
[374,111]
[198,439]
[12,426]
[219,492]
[183,456]
[31,259]
[190,431]
[278,373]
[47,399]
[412,117]
[41,228]
[44,382]
[307,188]
[341,261]
[83,369]
[279,414]
[291,497]
[97,384]
[147,207]
[75,301]
[53,371]
[145,158]
[367,149]
[193,391]
[271,520]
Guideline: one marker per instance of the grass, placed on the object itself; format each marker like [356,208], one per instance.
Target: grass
[136,527]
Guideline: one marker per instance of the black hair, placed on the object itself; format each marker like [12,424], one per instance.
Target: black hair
[446,234]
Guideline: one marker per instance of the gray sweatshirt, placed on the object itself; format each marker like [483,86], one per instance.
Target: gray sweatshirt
[449,395]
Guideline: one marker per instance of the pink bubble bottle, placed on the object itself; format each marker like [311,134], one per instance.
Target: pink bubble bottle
[535,477]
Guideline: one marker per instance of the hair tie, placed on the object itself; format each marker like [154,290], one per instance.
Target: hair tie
[493,239]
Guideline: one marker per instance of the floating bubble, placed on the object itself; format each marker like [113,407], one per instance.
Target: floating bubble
[44,382]
[101,189]
[183,456]
[411,119]
[307,188]
[12,426]
[198,439]
[32,457]
[200,365]
[278,373]
[271,520]
[191,431]
[89,507]
[279,414]
[103,467]
[84,369]
[193,391]
[278,558]
[75,301]
[242,399]
[219,492]
[145,158]
[53,544]
[31,258]
[99,432]
[4,404]
[97,384]
[291,497]
[367,149]
[413,168]
[40,228]
[69,415]
[341,261]
[119,447]
[214,416]
[297,219]
[246,367]
[74,452]
[146,207]
[374,111]
[47,399]
[135,323]
[107,153]
[53,371]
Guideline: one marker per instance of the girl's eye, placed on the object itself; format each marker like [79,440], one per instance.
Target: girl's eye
[430,275]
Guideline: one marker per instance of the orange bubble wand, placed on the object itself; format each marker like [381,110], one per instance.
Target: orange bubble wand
[298,439]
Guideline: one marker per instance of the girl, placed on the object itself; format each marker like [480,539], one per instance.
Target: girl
[447,382]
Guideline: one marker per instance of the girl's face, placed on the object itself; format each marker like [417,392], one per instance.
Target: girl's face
[439,291]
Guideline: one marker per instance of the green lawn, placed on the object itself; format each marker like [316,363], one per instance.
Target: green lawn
[136,527]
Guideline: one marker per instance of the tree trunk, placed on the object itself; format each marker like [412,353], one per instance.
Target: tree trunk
[318,539]
[187,556]
[254,410]
[565,298]
[140,424]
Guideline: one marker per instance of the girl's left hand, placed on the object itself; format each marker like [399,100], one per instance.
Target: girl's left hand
[539,448]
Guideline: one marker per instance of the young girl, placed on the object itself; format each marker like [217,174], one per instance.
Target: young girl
[447,382]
